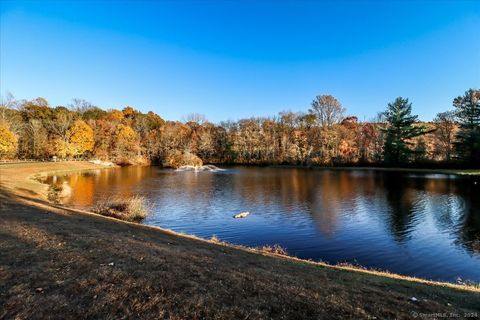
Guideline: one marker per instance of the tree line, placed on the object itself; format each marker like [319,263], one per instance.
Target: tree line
[322,135]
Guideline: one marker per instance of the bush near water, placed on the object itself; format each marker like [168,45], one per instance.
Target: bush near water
[131,209]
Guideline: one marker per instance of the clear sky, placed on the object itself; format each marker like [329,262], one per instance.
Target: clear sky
[235,59]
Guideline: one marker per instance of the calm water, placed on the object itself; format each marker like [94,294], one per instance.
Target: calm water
[425,225]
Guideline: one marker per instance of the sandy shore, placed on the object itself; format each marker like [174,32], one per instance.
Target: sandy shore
[58,262]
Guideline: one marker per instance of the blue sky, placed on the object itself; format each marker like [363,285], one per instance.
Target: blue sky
[235,59]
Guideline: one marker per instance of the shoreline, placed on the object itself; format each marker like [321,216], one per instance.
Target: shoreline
[459,172]
[32,198]
[27,181]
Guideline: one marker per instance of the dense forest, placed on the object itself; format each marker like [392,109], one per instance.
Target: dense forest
[322,135]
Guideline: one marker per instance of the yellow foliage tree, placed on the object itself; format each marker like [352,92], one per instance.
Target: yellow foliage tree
[8,142]
[63,149]
[127,143]
[115,115]
[129,112]
[80,137]
[126,136]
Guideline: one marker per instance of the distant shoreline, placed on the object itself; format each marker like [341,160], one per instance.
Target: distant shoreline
[399,169]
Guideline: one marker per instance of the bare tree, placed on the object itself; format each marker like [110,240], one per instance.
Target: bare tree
[195,117]
[80,105]
[37,138]
[60,124]
[7,102]
[328,110]
[445,133]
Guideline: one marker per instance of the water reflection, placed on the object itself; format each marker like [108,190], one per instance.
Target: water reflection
[469,221]
[402,204]
[422,225]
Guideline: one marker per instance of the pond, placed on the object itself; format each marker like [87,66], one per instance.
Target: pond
[424,225]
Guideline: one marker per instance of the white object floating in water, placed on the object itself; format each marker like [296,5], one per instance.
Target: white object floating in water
[413,299]
[241,215]
[103,163]
[207,167]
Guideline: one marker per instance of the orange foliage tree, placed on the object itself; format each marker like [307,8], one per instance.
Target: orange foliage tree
[126,144]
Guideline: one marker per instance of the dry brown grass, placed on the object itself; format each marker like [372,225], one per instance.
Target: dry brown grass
[278,250]
[62,263]
[135,208]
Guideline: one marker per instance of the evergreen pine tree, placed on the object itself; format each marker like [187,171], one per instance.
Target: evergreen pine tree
[468,116]
[401,128]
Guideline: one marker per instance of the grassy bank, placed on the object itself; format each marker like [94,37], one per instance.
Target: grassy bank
[60,262]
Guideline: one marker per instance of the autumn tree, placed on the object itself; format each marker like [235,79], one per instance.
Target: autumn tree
[348,149]
[104,134]
[286,128]
[378,135]
[59,122]
[126,144]
[468,116]
[327,110]
[130,113]
[10,116]
[34,139]
[37,109]
[7,104]
[445,128]
[80,136]
[114,115]
[205,141]
[8,142]
[222,145]
[400,130]
[367,142]
[149,127]
[93,113]
[80,106]
[174,136]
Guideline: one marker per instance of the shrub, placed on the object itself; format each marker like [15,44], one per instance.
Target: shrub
[58,192]
[131,209]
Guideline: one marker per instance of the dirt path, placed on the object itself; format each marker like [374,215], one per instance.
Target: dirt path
[62,263]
